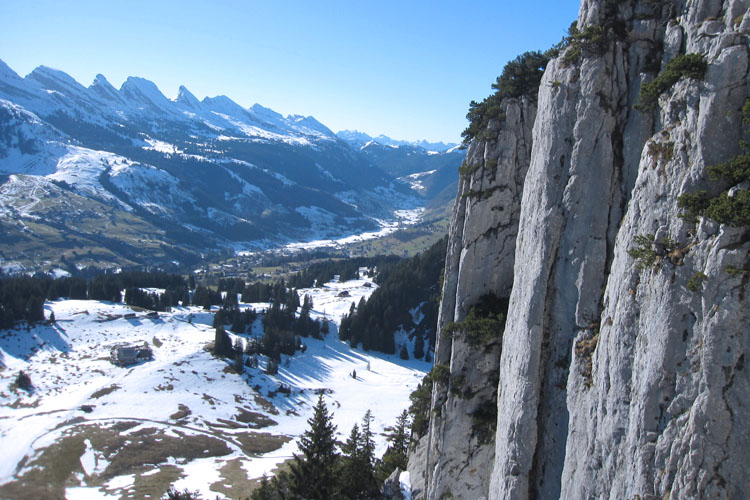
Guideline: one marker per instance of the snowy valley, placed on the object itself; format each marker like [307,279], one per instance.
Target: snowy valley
[90,429]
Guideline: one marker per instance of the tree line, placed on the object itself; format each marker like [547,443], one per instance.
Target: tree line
[22,297]
[319,273]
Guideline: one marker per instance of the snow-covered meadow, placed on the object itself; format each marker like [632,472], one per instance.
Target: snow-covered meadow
[91,429]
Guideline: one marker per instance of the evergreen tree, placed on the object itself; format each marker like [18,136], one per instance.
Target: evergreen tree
[368,445]
[292,302]
[307,304]
[357,466]
[396,454]
[350,467]
[419,347]
[222,343]
[265,491]
[313,473]
[404,353]
[239,365]
[230,301]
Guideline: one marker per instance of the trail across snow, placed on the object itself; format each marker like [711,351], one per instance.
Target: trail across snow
[76,384]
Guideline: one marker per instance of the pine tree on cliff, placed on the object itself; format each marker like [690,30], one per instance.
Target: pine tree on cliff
[313,472]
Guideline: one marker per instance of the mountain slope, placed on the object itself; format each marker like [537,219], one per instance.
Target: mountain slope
[431,173]
[207,174]
[358,139]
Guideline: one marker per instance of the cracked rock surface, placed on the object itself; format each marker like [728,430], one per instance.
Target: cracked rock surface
[615,379]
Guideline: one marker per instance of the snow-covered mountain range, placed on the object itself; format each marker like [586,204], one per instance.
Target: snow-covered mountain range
[130,176]
[359,139]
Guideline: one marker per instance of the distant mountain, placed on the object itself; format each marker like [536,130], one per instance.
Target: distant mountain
[359,139]
[429,173]
[97,175]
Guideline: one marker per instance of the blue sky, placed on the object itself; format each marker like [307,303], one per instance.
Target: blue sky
[407,69]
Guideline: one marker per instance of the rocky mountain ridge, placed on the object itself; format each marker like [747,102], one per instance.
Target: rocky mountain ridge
[620,367]
[81,167]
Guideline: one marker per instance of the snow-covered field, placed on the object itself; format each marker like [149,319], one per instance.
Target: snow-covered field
[404,218]
[91,429]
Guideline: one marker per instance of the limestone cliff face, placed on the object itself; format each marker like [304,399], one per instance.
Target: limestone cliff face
[617,379]
[459,448]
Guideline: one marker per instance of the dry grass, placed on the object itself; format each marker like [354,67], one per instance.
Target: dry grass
[253,419]
[58,466]
[255,443]
[104,391]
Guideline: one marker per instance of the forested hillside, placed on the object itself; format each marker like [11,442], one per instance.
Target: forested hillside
[407,300]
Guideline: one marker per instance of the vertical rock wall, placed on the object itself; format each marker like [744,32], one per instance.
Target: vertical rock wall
[615,380]
[460,443]
[665,412]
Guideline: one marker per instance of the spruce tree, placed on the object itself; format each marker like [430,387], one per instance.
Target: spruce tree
[222,343]
[396,454]
[357,468]
[419,346]
[313,472]
[350,469]
[265,491]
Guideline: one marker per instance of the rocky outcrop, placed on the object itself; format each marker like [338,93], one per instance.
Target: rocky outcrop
[621,371]
[479,261]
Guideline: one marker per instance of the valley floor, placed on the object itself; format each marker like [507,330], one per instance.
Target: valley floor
[90,429]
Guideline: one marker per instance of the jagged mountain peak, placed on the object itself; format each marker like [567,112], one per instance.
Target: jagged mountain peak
[101,87]
[225,105]
[143,91]
[101,81]
[6,72]
[187,98]
[55,79]
[309,122]
[266,114]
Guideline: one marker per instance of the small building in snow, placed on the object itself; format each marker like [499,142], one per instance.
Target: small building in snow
[125,355]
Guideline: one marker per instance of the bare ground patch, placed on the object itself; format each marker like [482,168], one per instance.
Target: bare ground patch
[265,404]
[58,466]
[257,443]
[103,392]
[253,419]
[182,412]
[234,482]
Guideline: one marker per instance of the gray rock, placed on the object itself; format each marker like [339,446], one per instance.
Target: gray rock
[614,380]
[391,489]
[479,261]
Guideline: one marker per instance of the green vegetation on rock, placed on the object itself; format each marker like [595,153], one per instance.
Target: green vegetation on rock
[685,65]
[732,205]
[520,77]
[484,323]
